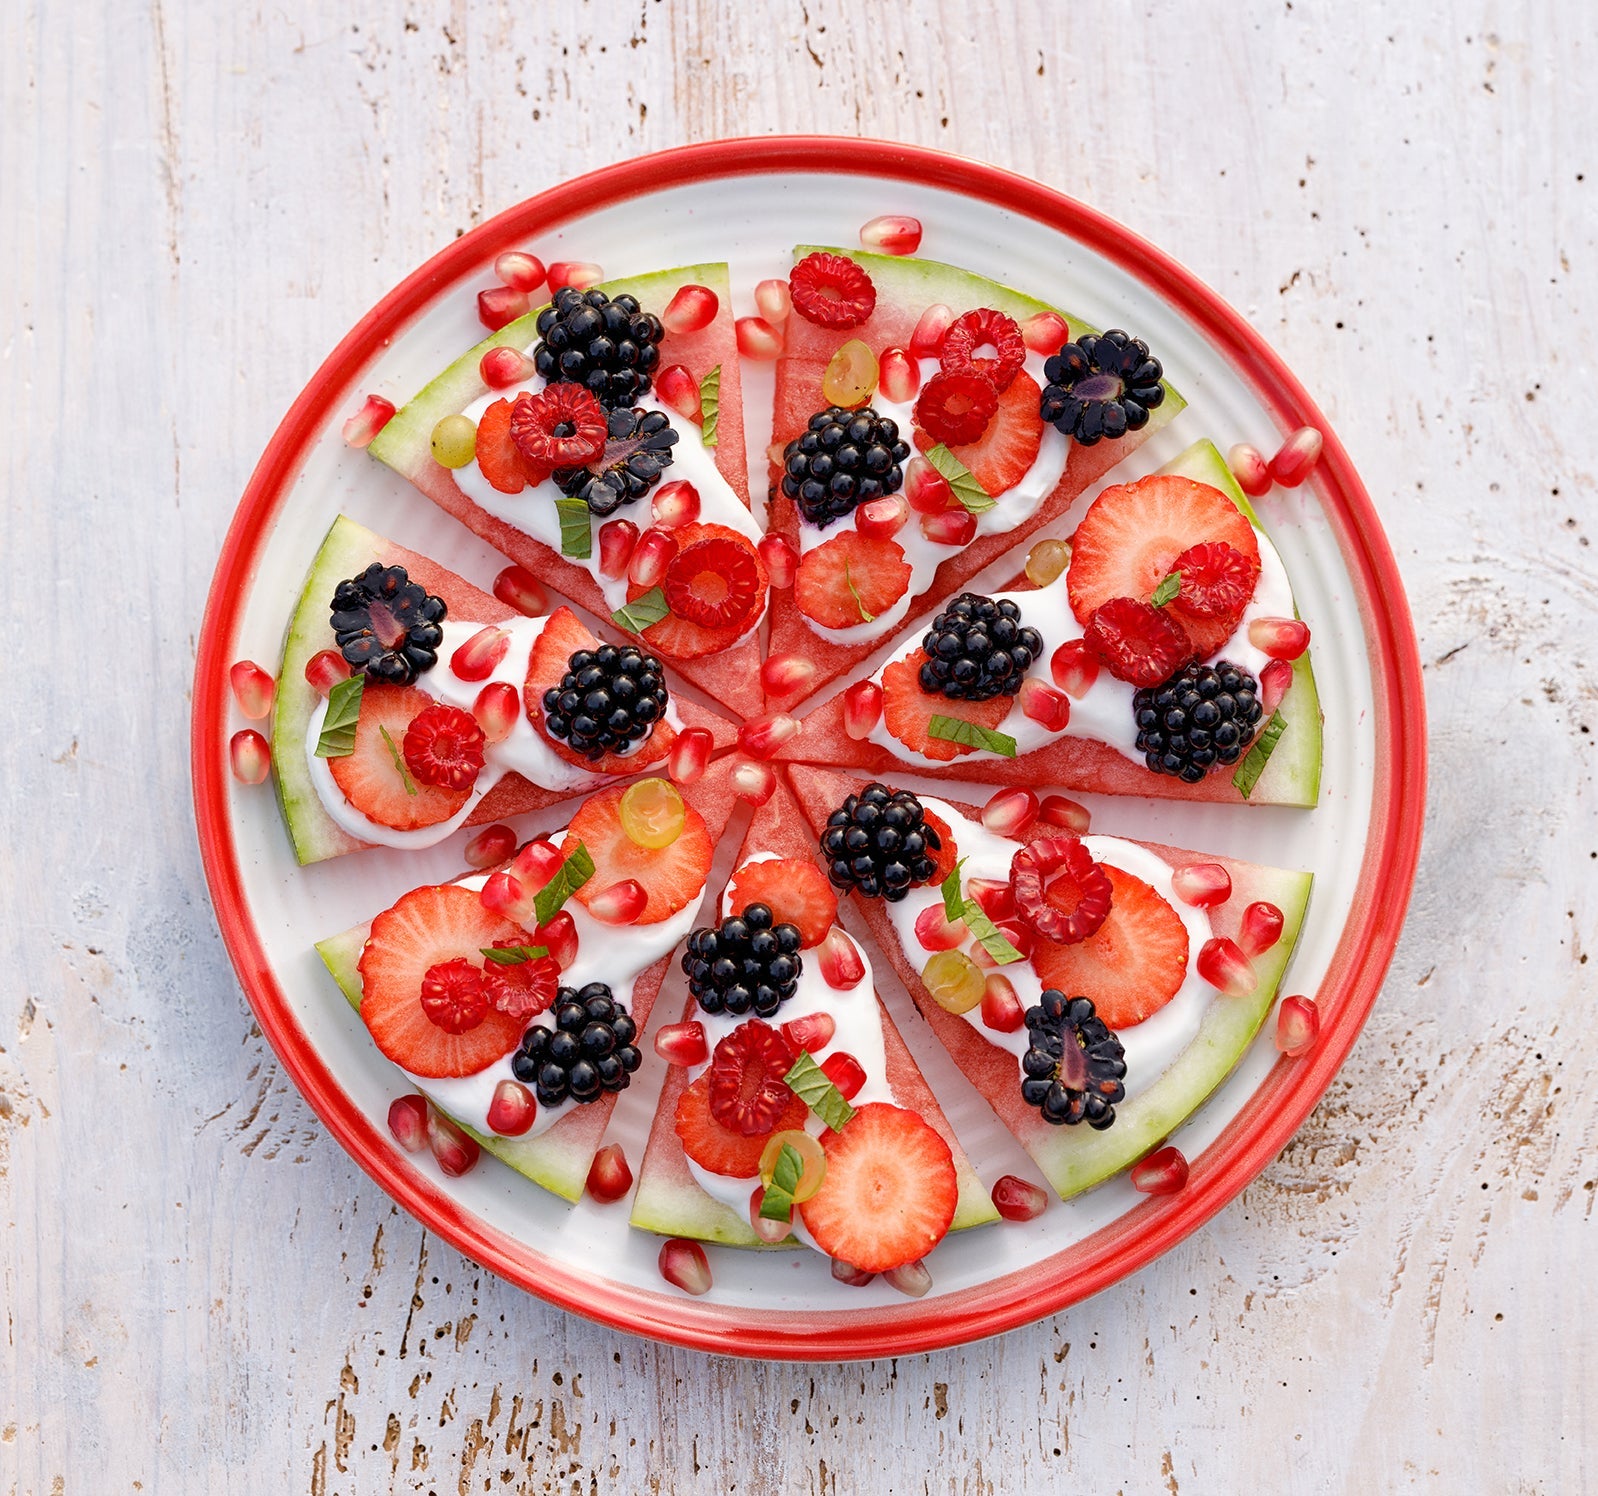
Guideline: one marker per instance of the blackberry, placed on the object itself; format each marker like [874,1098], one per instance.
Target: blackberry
[1101,385]
[387,625]
[608,701]
[589,1051]
[745,964]
[637,451]
[1074,1069]
[1202,716]
[878,843]
[610,347]
[843,458]
[978,648]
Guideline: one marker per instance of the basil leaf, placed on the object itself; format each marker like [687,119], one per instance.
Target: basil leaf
[399,763]
[1167,590]
[975,498]
[989,935]
[854,592]
[1248,772]
[337,738]
[958,730]
[953,903]
[575,871]
[709,406]
[642,612]
[511,955]
[576,531]
[777,1202]
[809,1082]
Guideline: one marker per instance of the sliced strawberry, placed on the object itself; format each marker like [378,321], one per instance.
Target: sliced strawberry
[1008,448]
[443,747]
[1137,642]
[672,877]
[748,1095]
[1129,539]
[889,1192]
[714,583]
[675,638]
[370,779]
[794,889]
[719,1149]
[497,454]
[1218,583]
[427,928]
[523,989]
[907,710]
[948,854]
[850,579]
[1132,965]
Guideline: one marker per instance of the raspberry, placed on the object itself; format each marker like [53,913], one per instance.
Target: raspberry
[1075,905]
[561,426]
[713,583]
[747,1092]
[525,989]
[956,408]
[444,747]
[1136,641]
[453,995]
[831,291]
[1217,580]
[966,334]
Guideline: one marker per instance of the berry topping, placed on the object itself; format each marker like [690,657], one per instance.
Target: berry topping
[977,648]
[1136,641]
[794,889]
[977,329]
[1217,581]
[675,637]
[880,844]
[955,408]
[498,456]
[1101,386]
[588,1052]
[1006,450]
[714,583]
[841,459]
[637,451]
[747,1092]
[453,995]
[1075,1068]
[908,710]
[1202,716]
[831,291]
[519,987]
[1075,904]
[387,625]
[672,877]
[850,579]
[374,777]
[608,701]
[747,963]
[561,426]
[444,747]
[718,1148]
[609,347]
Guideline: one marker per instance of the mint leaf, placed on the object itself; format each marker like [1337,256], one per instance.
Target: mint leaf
[953,903]
[337,738]
[961,479]
[575,871]
[511,955]
[1248,772]
[989,935]
[642,612]
[399,763]
[1167,590]
[854,592]
[958,730]
[809,1082]
[576,532]
[709,406]
[777,1202]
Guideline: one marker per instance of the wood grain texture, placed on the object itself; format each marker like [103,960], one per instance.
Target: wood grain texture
[202,1293]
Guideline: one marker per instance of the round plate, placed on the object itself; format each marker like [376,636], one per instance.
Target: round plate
[747,202]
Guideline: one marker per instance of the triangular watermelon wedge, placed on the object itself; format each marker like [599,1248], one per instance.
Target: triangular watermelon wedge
[732,673]
[671,1200]
[347,551]
[1073,759]
[905,288]
[559,1158]
[1202,1032]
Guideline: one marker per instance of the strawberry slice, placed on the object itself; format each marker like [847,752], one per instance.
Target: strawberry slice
[850,579]
[889,1192]
[370,779]
[907,710]
[718,1148]
[1131,536]
[675,638]
[672,877]
[426,929]
[1217,585]
[999,459]
[497,454]
[794,889]
[1132,965]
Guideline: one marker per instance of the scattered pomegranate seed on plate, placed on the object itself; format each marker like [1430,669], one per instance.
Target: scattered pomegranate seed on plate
[1001,1005]
[765,735]
[675,504]
[781,559]
[786,674]
[677,389]
[250,755]
[1162,1173]
[1018,1199]
[609,1176]
[500,368]
[374,414]
[1056,810]
[407,1121]
[498,709]
[1045,332]
[768,1230]
[1249,467]
[325,669]
[477,658]
[1010,812]
[620,904]
[690,753]
[456,1153]
[774,300]
[898,376]
[253,688]
[892,234]
[684,1265]
[683,1043]
[578,273]
[841,965]
[1296,457]
[499,306]
[518,588]
[849,1275]
[520,271]
[927,338]
[618,538]
[490,847]
[1298,1026]
[912,1279]
[1280,638]
[1224,966]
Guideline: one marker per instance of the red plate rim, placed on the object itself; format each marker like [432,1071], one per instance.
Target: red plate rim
[1268,1119]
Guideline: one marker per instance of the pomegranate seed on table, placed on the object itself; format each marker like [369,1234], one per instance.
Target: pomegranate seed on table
[1074,667]
[253,688]
[993,896]
[769,1231]
[520,270]
[774,300]
[513,1109]
[683,1043]
[1280,638]
[1261,929]
[845,1072]
[559,938]
[504,894]
[813,1032]
[675,504]
[862,709]
[781,559]
[476,658]
[786,674]
[952,527]
[892,234]
[620,904]
[499,306]
[690,753]
[250,755]
[655,551]
[407,1121]
[579,273]
[518,588]
[1296,457]
[375,413]
[684,1265]
[1161,1173]
[1275,679]
[765,735]
[490,847]
[758,339]
[753,781]
[1249,467]
[1010,812]
[849,1275]
[678,390]
[609,1176]
[1298,1026]
[617,540]
[500,368]
[1202,884]
[898,376]
[1001,1005]
[1018,1199]
[498,709]
[926,490]
[842,966]
[911,1279]
[935,931]
[692,309]
[455,1152]
[927,338]
[1045,332]
[1224,966]
[1056,810]
[325,669]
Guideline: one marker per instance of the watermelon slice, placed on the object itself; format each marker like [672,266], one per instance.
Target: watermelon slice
[1291,775]
[558,1159]
[905,287]
[1074,1159]
[732,674]
[347,551]
[671,1201]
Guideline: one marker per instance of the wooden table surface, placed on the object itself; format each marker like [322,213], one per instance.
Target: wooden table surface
[199,199]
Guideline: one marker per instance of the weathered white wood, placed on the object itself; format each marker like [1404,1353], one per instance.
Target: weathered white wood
[202,1293]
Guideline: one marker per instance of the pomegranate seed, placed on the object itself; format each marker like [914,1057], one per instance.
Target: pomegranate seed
[690,753]
[1249,467]
[774,300]
[781,560]
[579,273]
[498,709]
[559,938]
[490,847]
[1010,812]
[1161,1173]
[927,339]
[455,1151]
[1074,668]
[683,1043]
[1298,1026]
[499,306]
[1280,638]
[1045,705]
[952,527]
[912,1279]
[520,271]
[926,490]
[882,519]
[769,1231]
[518,588]
[1275,679]
[675,504]
[678,390]
[993,896]
[1202,884]
[374,414]
[1045,332]
[500,368]
[1056,810]
[655,551]
[845,1072]
[813,1032]
[787,675]
[253,688]
[892,234]
[513,1109]
[1226,968]
[609,1176]
[692,309]
[684,1265]
[842,966]
[250,755]
[934,930]
[1018,1199]
[898,376]
[504,894]
[754,782]
[617,539]
[1296,457]
[758,339]
[1261,929]
[862,709]
[620,904]
[325,669]
[407,1121]
[537,862]
[765,735]
[850,1275]
[477,658]
[1001,1006]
